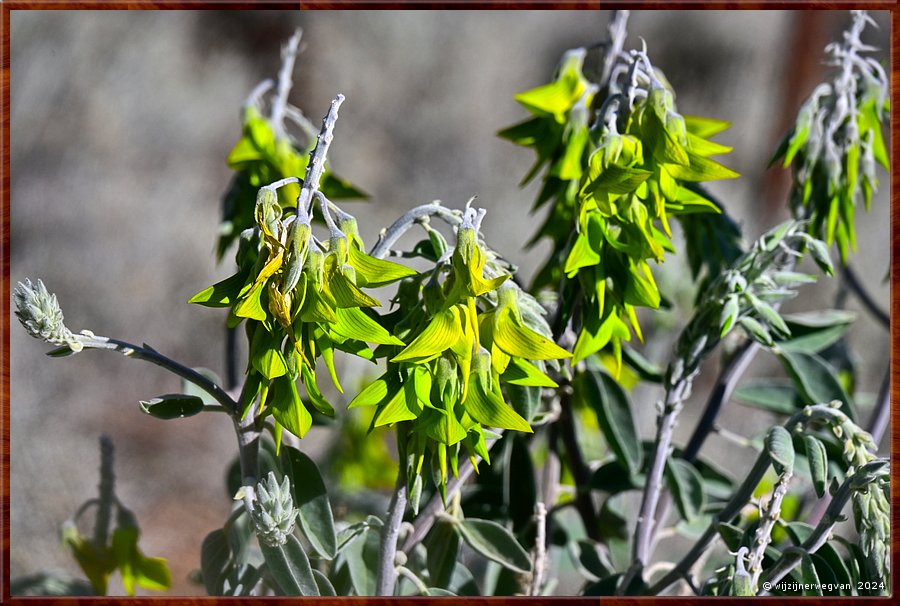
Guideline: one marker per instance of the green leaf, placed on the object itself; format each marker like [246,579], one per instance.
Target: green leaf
[134,567]
[289,566]
[221,294]
[816,380]
[442,544]
[440,334]
[769,394]
[495,543]
[362,561]
[347,294]
[521,372]
[374,272]
[378,392]
[215,561]
[701,168]
[613,410]
[686,485]
[172,406]
[705,127]
[250,305]
[323,584]
[353,323]
[287,407]
[488,408]
[818,464]
[516,339]
[814,331]
[590,560]
[780,447]
[311,501]
[731,535]
[265,355]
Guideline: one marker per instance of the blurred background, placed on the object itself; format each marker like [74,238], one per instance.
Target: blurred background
[121,122]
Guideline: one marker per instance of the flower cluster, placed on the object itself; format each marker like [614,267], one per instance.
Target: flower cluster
[273,512]
[837,141]
[469,332]
[302,300]
[617,181]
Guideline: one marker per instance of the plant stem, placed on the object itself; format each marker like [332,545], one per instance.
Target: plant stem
[721,393]
[427,514]
[389,236]
[285,82]
[853,281]
[316,167]
[580,470]
[618,31]
[790,559]
[151,355]
[740,498]
[387,567]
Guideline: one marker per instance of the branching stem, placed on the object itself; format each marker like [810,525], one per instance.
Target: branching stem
[390,236]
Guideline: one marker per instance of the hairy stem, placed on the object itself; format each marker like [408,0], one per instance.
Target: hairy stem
[435,505]
[791,558]
[721,393]
[739,499]
[316,167]
[387,568]
[618,31]
[151,355]
[285,82]
[390,235]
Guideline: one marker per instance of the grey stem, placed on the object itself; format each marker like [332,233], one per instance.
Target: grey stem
[882,414]
[741,497]
[540,549]
[725,385]
[316,167]
[410,218]
[791,559]
[390,532]
[643,533]
[618,31]
[285,82]
[151,355]
[107,493]
[427,514]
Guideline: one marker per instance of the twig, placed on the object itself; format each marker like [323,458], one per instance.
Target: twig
[725,385]
[865,298]
[421,587]
[285,81]
[153,356]
[316,166]
[721,393]
[540,549]
[741,497]
[618,31]
[791,558]
[435,505]
[389,236]
[768,515]
[387,566]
